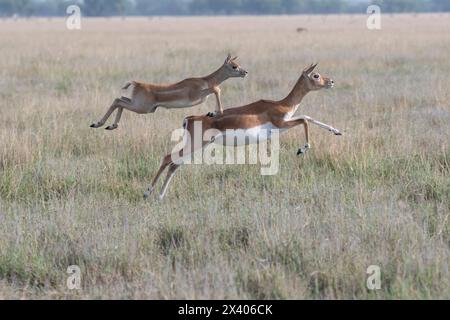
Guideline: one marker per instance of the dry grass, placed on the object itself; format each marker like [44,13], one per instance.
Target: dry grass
[380,195]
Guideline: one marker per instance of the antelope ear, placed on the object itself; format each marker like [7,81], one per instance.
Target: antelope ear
[228,59]
[310,69]
[234,58]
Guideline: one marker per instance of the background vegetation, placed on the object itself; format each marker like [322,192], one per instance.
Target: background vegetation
[208,7]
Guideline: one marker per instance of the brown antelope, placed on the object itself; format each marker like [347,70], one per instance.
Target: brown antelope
[146,98]
[254,118]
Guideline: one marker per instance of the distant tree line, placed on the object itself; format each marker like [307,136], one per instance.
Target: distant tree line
[213,7]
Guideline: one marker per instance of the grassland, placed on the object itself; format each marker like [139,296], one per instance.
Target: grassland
[379,195]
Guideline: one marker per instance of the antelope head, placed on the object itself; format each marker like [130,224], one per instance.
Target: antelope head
[315,81]
[233,69]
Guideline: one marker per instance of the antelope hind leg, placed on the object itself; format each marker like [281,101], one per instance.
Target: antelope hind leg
[173,167]
[115,125]
[116,104]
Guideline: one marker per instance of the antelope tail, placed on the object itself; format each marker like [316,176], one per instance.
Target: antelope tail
[127,85]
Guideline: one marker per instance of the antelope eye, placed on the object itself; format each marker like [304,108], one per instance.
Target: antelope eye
[316,76]
[234,67]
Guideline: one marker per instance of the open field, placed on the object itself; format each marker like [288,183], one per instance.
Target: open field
[379,195]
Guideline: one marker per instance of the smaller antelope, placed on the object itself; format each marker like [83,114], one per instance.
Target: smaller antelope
[146,98]
[254,119]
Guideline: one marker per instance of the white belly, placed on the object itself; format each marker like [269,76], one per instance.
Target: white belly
[241,137]
[182,103]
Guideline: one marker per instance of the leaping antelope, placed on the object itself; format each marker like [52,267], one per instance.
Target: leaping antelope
[258,116]
[146,97]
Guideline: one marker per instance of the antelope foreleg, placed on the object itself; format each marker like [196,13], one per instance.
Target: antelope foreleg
[307,145]
[322,125]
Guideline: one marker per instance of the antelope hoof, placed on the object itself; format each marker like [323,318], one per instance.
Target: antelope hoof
[112,127]
[96,125]
[336,132]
